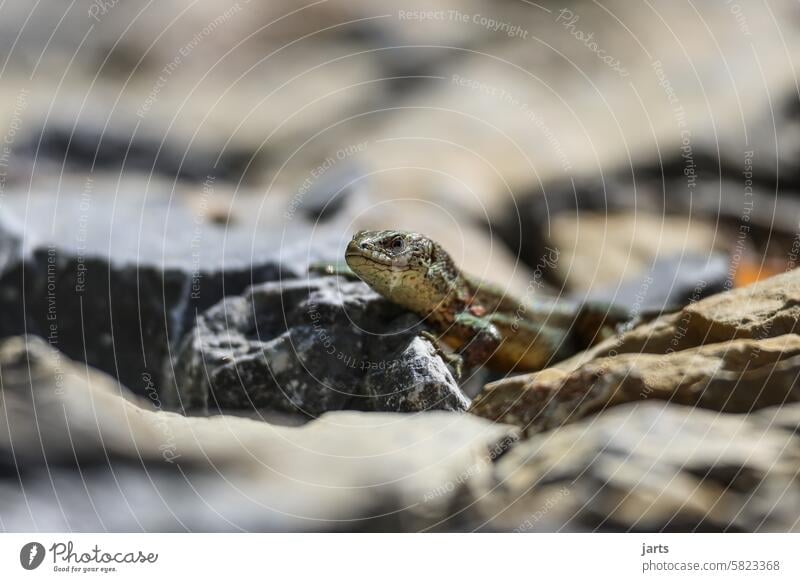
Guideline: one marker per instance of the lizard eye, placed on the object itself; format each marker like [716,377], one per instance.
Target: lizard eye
[397,244]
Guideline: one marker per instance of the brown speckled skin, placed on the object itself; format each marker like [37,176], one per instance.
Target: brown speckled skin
[484,325]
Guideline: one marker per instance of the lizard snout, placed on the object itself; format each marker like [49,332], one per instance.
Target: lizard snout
[360,242]
[356,247]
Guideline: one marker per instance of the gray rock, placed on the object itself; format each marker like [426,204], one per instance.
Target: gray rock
[89,146]
[415,381]
[116,278]
[310,346]
[670,282]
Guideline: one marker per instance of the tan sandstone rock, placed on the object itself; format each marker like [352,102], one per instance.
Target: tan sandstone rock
[651,466]
[733,352]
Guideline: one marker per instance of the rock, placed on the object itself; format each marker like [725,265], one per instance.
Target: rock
[571,218]
[598,249]
[652,467]
[11,254]
[736,376]
[668,283]
[144,469]
[767,309]
[735,352]
[90,147]
[114,275]
[55,410]
[415,381]
[310,346]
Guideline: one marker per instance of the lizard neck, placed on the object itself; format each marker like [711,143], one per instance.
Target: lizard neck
[449,289]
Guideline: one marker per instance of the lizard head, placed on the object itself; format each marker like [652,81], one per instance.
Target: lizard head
[396,264]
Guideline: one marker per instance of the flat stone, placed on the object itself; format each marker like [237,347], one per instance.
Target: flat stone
[766,309]
[736,376]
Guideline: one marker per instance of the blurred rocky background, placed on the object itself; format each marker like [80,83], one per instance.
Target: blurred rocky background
[168,172]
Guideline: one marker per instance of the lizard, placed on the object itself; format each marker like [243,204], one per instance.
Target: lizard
[483,325]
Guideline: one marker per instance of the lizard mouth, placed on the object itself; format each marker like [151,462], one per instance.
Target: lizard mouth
[378,258]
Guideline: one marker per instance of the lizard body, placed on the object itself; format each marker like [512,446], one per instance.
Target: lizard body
[484,325]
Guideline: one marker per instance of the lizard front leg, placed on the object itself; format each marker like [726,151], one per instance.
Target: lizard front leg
[480,338]
[455,361]
[476,339]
